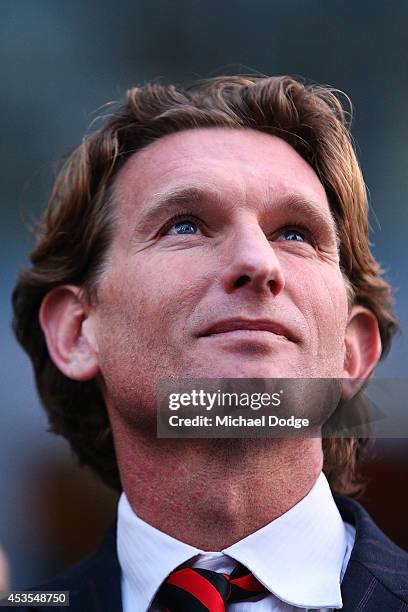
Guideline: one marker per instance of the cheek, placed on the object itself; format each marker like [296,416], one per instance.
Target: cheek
[149,300]
[142,319]
[169,288]
[321,297]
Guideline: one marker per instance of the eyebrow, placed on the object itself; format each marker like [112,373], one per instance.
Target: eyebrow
[164,202]
[300,206]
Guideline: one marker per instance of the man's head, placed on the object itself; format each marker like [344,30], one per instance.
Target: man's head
[233,202]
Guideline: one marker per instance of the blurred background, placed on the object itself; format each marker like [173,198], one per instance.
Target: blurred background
[60,62]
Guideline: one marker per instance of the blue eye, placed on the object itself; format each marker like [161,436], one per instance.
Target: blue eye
[181,225]
[185,227]
[293,234]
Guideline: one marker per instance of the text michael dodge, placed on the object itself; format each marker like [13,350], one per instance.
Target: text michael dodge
[237,421]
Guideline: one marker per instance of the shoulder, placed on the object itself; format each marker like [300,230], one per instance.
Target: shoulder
[94,583]
[378,568]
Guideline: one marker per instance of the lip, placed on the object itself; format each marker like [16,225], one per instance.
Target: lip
[240,324]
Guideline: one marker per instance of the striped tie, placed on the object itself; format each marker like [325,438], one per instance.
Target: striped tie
[201,590]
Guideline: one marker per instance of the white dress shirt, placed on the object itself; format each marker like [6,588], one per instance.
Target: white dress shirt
[300,557]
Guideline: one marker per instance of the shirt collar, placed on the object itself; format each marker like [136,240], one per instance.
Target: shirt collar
[146,554]
[298,556]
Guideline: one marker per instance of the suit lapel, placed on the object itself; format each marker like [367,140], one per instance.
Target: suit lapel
[375,578]
[100,590]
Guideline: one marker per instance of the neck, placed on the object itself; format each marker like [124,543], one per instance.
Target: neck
[212,493]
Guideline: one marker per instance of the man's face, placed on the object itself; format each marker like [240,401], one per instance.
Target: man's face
[244,282]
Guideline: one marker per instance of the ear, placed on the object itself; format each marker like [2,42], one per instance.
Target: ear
[68,332]
[363,348]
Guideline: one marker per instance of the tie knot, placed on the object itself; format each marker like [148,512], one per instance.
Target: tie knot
[200,590]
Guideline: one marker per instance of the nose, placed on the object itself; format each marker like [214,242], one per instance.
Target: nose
[252,262]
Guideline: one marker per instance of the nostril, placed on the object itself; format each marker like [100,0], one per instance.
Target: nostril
[275,287]
[242,280]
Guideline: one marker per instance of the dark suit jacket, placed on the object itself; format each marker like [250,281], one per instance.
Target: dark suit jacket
[376,579]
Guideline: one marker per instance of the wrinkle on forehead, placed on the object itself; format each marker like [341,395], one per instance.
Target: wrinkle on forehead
[231,163]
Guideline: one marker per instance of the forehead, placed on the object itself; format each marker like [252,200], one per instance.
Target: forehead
[241,164]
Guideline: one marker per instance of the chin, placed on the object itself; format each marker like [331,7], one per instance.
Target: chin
[246,370]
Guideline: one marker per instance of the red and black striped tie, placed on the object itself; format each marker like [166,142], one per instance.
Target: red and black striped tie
[201,590]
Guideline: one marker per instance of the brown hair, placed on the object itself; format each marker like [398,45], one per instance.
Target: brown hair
[76,229]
